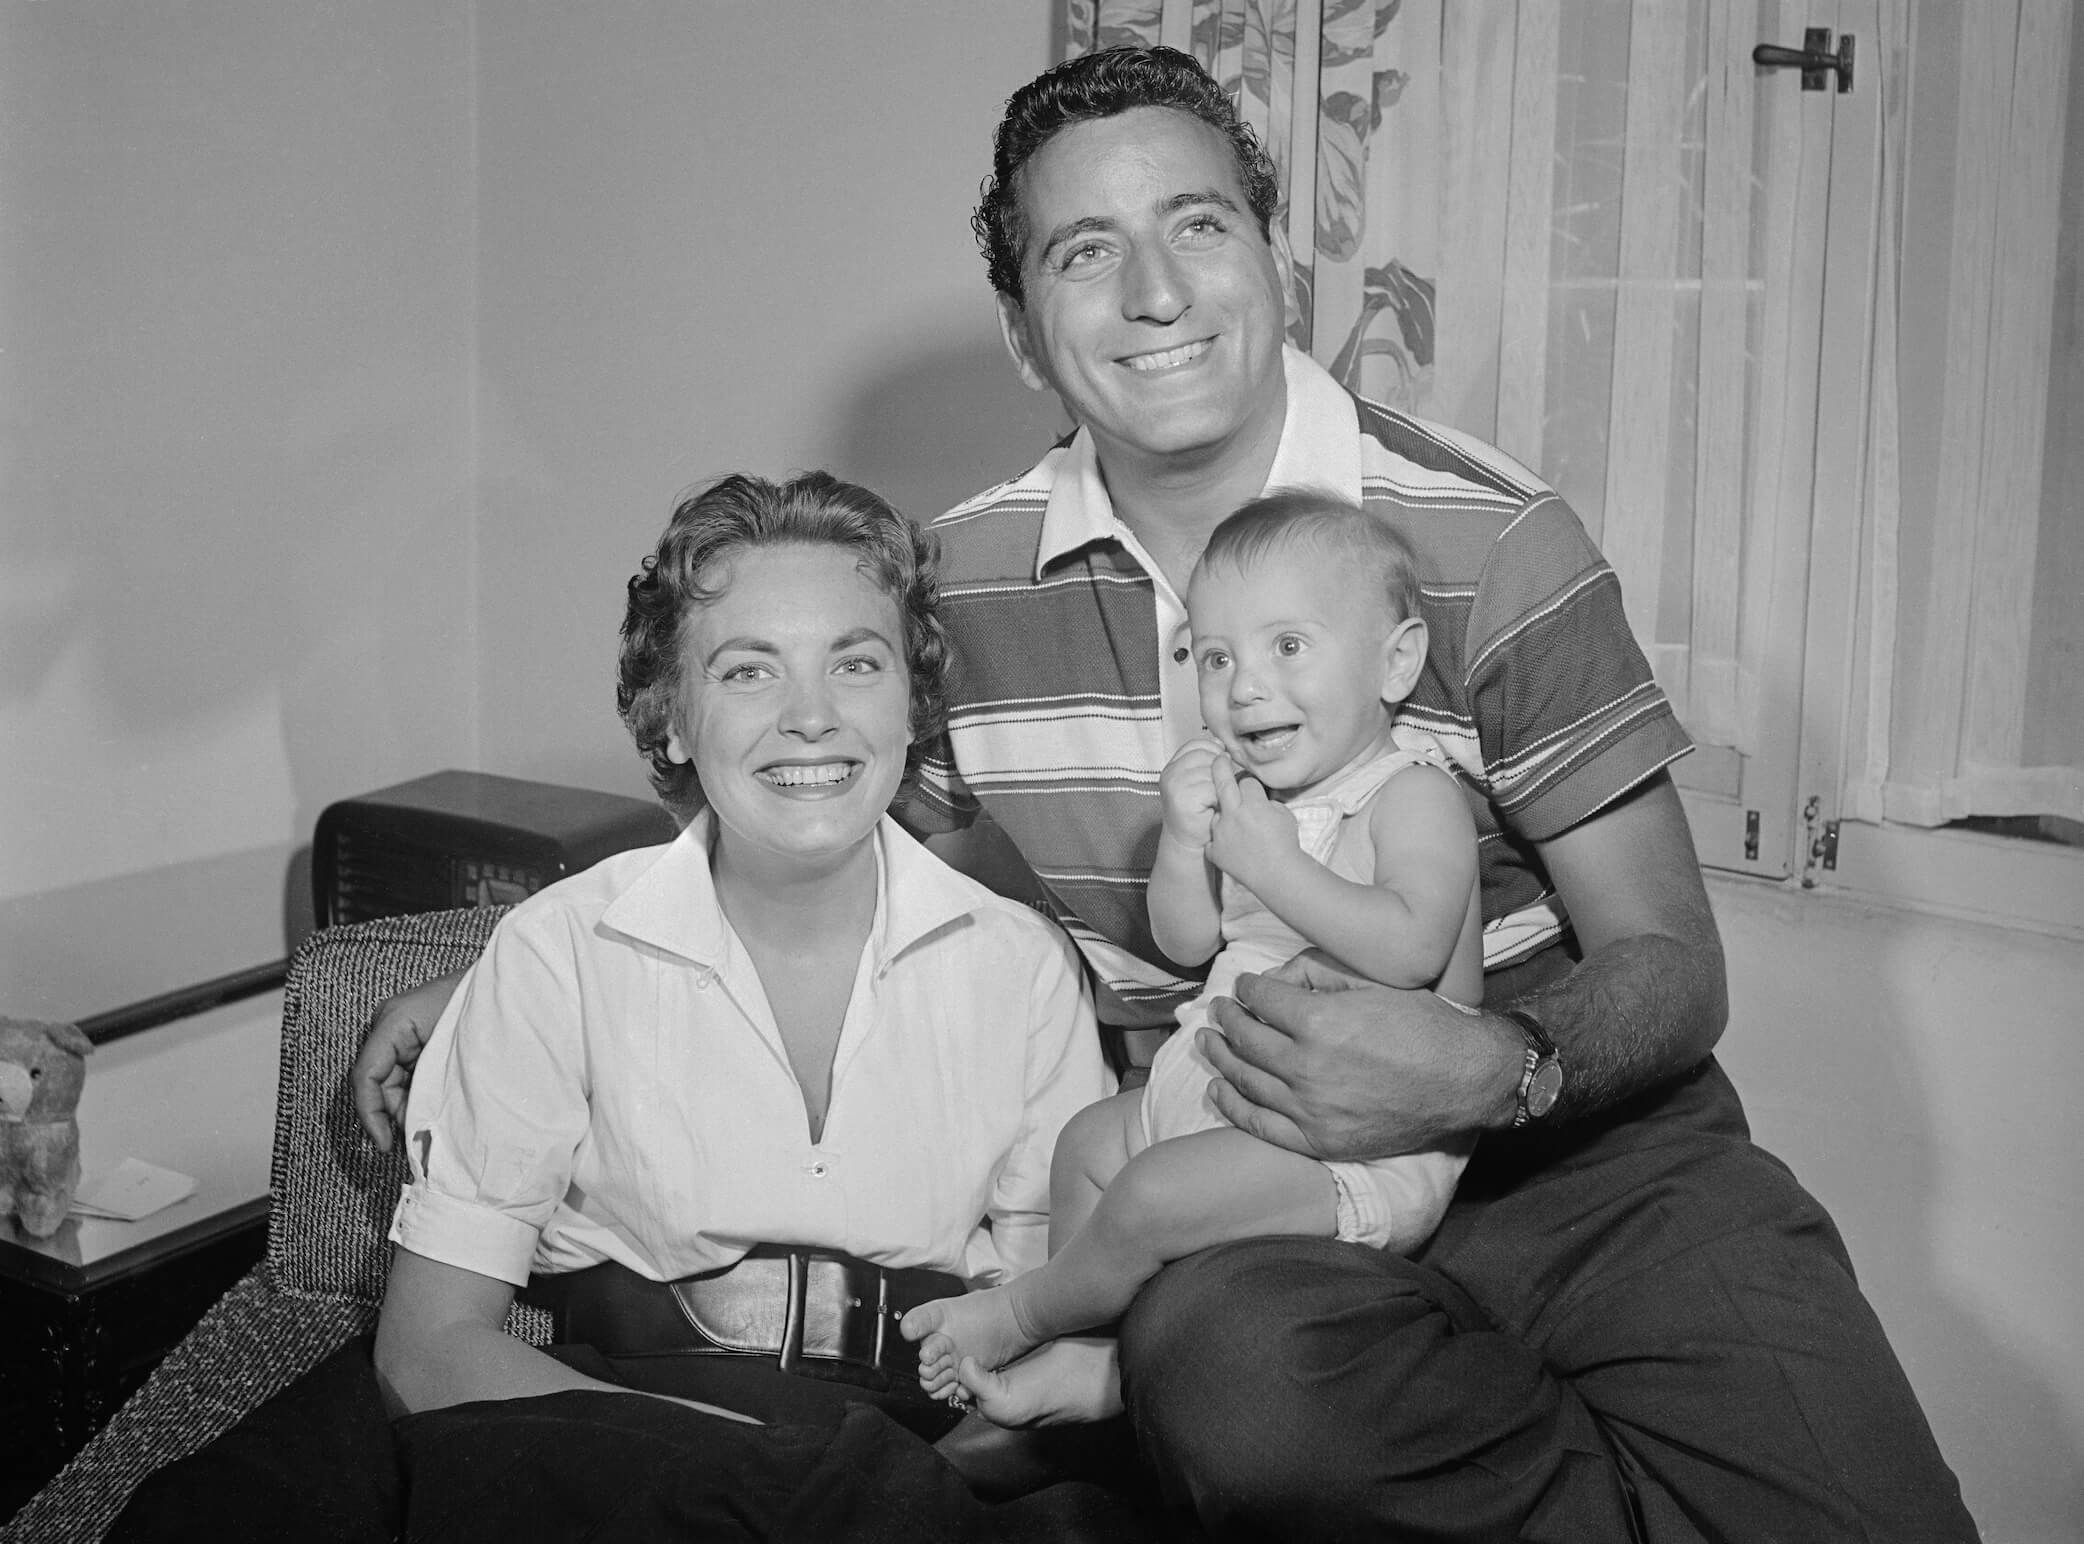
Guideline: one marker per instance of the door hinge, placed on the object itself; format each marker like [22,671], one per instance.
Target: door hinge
[1751,836]
[1823,842]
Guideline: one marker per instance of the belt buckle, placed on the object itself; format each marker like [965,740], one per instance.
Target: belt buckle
[850,1303]
[792,1318]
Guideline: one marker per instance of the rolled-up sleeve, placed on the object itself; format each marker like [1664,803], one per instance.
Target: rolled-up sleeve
[498,1108]
[1064,1074]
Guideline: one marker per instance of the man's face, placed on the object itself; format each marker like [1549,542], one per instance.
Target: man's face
[1154,306]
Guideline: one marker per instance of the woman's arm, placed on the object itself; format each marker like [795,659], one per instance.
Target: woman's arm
[1063,1073]
[440,1342]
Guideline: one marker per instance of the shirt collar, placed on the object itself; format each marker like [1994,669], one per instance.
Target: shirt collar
[1320,442]
[1320,448]
[672,904]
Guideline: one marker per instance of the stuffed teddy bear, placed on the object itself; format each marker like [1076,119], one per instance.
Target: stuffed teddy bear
[43,1067]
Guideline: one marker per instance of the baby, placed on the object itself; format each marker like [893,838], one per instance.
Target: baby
[1299,823]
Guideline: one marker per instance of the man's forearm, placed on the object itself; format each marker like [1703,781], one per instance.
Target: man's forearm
[1631,1015]
[1648,1000]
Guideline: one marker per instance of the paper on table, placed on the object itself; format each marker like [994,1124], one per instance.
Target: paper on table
[133,1189]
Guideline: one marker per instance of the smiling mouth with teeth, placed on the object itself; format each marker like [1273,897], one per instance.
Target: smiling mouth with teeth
[1273,739]
[1170,358]
[824,775]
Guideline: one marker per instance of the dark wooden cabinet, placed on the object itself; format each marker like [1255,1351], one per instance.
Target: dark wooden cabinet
[80,1337]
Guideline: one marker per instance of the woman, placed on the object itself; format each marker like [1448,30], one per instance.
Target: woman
[788,1028]
[739,1102]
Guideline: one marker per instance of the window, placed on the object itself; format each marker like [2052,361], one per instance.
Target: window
[1806,362]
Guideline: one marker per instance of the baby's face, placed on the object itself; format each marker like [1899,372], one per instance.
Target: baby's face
[1291,657]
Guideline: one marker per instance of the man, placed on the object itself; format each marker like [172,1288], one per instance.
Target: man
[1632,1322]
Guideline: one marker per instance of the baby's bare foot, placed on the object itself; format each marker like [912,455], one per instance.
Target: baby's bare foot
[982,1325]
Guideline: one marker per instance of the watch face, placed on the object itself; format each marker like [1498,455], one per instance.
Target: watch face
[1542,1090]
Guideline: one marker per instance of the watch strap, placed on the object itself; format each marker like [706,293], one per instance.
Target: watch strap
[1537,1034]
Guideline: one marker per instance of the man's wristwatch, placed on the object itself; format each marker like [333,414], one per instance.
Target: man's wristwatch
[1542,1081]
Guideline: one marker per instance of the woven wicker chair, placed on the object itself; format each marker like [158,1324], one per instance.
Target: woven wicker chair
[323,1276]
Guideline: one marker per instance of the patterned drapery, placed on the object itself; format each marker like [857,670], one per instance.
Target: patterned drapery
[1354,146]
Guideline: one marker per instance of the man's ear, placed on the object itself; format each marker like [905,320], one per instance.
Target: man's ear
[1013,327]
[1284,255]
[1403,657]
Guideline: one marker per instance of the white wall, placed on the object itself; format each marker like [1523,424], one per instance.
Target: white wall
[235,464]
[1920,1076]
[712,237]
[351,356]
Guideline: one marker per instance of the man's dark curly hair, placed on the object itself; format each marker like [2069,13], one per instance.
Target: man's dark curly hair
[739,513]
[1103,85]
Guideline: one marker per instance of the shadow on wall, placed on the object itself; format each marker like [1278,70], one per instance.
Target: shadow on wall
[925,429]
[930,429]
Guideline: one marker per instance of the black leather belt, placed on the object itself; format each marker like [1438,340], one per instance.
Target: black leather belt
[821,1314]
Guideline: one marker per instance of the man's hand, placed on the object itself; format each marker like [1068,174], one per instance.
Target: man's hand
[1314,1059]
[382,1073]
[1327,1063]
[1187,788]
[1253,835]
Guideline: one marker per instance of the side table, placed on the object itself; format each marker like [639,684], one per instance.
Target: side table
[90,1311]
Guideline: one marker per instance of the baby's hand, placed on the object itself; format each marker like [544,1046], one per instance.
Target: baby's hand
[1252,834]
[1188,788]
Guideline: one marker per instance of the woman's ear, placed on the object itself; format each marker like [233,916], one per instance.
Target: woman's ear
[1403,657]
[677,750]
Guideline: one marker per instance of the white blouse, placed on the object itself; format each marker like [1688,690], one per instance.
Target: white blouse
[608,1083]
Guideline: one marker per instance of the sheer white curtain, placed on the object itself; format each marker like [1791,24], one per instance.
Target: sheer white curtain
[1544,223]
[1592,232]
[1975,598]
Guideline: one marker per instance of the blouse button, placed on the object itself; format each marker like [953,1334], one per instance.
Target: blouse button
[703,977]
[817,1169]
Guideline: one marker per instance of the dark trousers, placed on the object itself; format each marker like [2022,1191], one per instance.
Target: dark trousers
[1640,1327]
[320,1464]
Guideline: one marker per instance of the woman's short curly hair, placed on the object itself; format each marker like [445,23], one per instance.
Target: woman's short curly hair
[1105,84]
[736,514]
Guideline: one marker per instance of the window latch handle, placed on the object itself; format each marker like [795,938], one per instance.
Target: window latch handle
[1814,58]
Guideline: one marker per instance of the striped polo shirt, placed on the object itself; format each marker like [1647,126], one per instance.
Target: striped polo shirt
[1534,688]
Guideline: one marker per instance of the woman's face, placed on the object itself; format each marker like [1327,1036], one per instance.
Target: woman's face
[796,705]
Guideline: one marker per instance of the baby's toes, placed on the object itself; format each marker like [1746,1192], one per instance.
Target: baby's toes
[921,1321]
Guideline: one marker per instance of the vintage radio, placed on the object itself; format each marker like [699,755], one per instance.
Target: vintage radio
[465,839]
